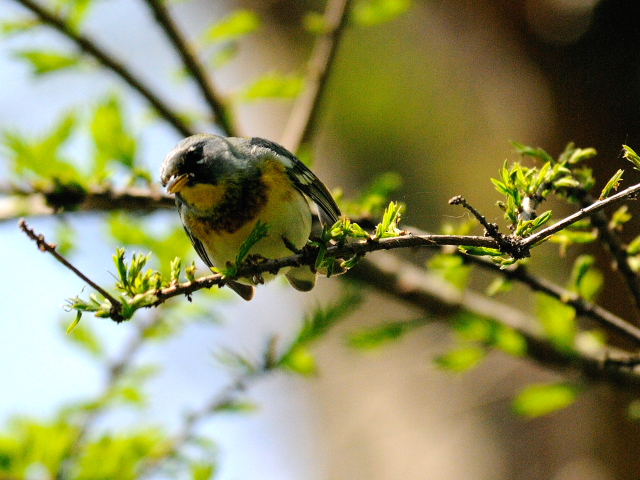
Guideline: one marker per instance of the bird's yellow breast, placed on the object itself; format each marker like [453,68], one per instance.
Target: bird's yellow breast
[203,196]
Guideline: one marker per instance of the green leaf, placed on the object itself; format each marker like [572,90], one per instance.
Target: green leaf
[236,406]
[259,232]
[585,280]
[542,399]
[48,61]
[84,337]
[232,27]
[389,225]
[35,443]
[323,318]
[452,268]
[374,12]
[558,321]
[481,251]
[315,23]
[375,197]
[75,322]
[493,334]
[111,140]
[77,12]
[499,285]
[42,157]
[299,359]
[11,27]
[125,454]
[633,410]
[634,246]
[65,238]
[612,184]
[632,156]
[619,218]
[461,359]
[538,153]
[202,471]
[273,85]
[372,338]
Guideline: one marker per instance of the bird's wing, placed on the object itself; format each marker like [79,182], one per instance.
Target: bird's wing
[197,244]
[305,181]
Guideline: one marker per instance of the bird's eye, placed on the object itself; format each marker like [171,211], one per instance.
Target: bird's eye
[193,154]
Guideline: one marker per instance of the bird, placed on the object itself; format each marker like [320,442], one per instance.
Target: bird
[224,186]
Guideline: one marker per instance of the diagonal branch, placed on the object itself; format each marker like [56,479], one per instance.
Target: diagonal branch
[412,285]
[116,306]
[582,306]
[617,250]
[303,117]
[219,111]
[92,49]
[579,215]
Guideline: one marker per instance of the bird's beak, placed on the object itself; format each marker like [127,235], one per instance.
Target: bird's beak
[177,183]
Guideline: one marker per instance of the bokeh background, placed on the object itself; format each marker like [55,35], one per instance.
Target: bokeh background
[435,95]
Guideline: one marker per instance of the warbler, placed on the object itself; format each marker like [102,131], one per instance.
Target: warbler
[224,186]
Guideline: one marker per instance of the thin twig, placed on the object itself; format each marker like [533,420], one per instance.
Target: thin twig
[617,250]
[43,246]
[582,306]
[92,49]
[219,111]
[579,215]
[303,117]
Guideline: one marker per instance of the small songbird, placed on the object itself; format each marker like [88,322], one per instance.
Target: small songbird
[224,186]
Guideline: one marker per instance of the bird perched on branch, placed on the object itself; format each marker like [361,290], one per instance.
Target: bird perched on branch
[224,186]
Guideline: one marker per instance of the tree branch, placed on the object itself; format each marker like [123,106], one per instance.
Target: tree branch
[116,305]
[303,117]
[579,215]
[414,286]
[219,111]
[92,49]
[616,249]
[582,306]
[29,203]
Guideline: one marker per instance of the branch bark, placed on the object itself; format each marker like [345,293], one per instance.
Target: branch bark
[90,48]
[303,117]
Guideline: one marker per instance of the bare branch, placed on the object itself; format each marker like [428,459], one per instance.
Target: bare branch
[116,306]
[219,111]
[30,203]
[303,117]
[108,61]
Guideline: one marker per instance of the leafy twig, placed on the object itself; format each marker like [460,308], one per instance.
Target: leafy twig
[616,249]
[116,305]
[92,49]
[582,306]
[580,214]
[302,119]
[219,111]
